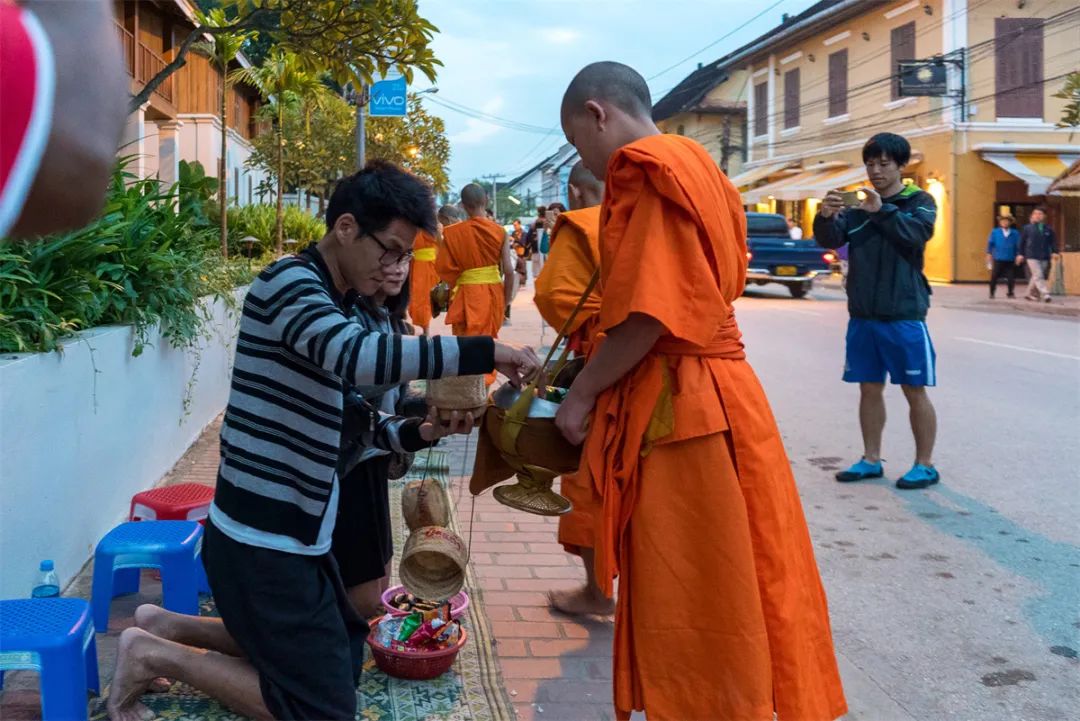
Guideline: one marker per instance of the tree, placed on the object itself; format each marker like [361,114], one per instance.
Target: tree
[417,142]
[1070,115]
[222,49]
[284,83]
[351,40]
[318,147]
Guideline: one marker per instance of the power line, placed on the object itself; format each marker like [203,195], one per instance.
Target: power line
[720,39]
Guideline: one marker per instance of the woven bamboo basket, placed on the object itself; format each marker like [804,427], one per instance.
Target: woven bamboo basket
[425,503]
[433,563]
[465,394]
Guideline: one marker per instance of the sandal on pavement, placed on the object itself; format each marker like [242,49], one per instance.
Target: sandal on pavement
[919,476]
[861,471]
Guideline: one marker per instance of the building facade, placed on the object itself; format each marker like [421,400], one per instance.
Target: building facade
[180,120]
[822,82]
[709,106]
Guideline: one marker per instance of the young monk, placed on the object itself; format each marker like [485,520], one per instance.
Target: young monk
[721,613]
[422,278]
[475,262]
[448,215]
[572,261]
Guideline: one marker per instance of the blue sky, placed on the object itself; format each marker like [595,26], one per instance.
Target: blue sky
[514,58]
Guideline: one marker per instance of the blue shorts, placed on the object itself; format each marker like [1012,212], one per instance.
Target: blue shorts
[900,347]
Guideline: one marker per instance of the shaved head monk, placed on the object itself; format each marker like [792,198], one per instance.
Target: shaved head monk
[475,261]
[448,215]
[721,612]
[571,263]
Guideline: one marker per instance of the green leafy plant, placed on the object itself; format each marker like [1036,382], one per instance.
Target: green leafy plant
[147,261]
[1070,91]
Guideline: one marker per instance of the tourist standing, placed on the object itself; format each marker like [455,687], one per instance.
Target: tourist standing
[1002,254]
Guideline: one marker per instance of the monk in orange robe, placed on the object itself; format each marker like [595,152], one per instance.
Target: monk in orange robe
[573,259]
[422,278]
[475,262]
[721,613]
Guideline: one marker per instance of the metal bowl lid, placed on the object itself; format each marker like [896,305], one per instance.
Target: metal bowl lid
[505,396]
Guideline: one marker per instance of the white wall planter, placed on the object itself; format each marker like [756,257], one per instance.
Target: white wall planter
[83,430]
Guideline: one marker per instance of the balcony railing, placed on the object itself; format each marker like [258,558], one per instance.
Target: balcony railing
[150,64]
[127,41]
[142,63]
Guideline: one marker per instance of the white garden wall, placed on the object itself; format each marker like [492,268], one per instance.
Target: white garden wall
[83,430]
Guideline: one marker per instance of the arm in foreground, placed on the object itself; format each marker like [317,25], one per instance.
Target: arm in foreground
[624,347]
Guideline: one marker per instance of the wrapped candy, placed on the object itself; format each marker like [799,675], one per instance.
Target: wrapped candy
[409,625]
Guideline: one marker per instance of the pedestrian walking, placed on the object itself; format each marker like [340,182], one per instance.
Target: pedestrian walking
[1003,254]
[532,241]
[1038,246]
[888,297]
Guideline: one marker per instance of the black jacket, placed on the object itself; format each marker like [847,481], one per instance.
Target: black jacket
[885,254]
[1035,245]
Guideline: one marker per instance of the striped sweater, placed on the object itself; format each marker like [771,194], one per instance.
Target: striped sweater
[281,435]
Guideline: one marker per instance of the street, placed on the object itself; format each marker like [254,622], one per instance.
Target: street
[959,603]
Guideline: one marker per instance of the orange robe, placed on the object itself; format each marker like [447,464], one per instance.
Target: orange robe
[422,278]
[721,612]
[573,258]
[477,309]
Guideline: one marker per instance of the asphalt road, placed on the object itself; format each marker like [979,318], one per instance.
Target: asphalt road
[961,602]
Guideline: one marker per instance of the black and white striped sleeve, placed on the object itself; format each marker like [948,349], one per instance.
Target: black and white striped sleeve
[305,320]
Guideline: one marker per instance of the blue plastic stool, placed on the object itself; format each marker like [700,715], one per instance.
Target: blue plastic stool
[175,547]
[55,637]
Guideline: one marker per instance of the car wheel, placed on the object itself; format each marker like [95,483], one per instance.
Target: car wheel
[798,290]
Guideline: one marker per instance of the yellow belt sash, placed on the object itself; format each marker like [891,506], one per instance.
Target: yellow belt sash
[425,254]
[480,276]
[486,275]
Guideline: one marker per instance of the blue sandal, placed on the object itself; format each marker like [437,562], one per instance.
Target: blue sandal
[861,471]
[919,476]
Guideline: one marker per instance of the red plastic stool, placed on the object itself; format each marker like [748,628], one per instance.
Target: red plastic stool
[182,502]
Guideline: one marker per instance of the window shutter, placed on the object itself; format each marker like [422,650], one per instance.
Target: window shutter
[1018,67]
[903,48]
[838,83]
[761,108]
[791,99]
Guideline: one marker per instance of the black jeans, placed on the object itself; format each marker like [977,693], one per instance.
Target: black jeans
[1005,268]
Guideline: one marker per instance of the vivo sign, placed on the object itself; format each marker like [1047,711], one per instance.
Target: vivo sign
[388,98]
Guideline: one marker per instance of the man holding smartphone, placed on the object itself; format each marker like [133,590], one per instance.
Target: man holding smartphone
[886,229]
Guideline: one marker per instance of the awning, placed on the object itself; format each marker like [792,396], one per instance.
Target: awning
[812,184]
[1068,183]
[753,175]
[807,184]
[1038,170]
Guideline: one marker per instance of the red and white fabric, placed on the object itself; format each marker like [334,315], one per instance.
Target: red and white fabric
[27,85]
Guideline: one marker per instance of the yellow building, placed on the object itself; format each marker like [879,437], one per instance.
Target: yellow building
[709,105]
[821,83]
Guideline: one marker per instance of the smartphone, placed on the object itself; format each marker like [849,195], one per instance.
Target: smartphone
[853,198]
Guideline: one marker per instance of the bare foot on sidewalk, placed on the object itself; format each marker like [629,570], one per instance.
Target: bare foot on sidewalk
[584,601]
[131,678]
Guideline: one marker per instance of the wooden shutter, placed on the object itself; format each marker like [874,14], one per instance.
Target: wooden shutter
[791,99]
[838,83]
[761,108]
[1018,50]
[903,48]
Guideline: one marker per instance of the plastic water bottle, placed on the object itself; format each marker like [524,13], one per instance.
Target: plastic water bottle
[47,584]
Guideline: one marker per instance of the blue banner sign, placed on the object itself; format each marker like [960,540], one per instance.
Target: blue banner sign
[389,98]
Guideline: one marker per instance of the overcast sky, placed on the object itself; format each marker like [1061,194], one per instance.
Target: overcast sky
[514,58]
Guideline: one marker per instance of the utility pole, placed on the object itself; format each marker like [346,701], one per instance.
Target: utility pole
[361,96]
[494,193]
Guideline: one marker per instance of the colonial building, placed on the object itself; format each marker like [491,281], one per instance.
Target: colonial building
[824,81]
[709,106]
[180,120]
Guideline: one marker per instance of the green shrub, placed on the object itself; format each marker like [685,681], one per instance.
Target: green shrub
[258,221]
[146,261]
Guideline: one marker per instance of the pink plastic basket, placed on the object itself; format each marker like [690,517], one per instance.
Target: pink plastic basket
[415,665]
[459,603]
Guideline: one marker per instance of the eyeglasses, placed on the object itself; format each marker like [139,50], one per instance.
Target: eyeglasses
[391,256]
